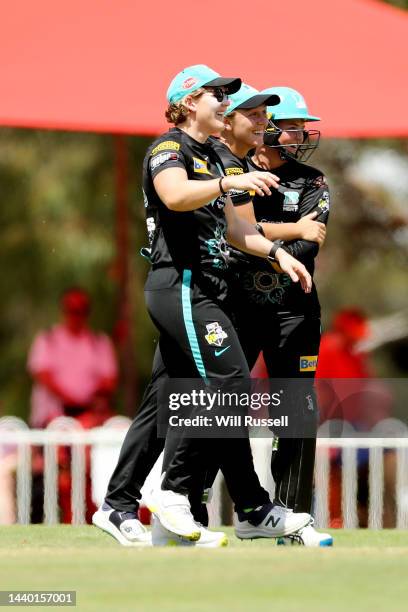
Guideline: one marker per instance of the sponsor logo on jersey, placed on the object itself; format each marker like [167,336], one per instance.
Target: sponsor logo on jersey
[200,166]
[290,203]
[308,363]
[162,158]
[216,335]
[188,83]
[324,202]
[165,146]
[233,171]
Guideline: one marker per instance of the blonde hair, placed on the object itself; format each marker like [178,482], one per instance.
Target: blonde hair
[176,112]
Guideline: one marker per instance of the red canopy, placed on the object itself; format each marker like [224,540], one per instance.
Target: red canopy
[104,65]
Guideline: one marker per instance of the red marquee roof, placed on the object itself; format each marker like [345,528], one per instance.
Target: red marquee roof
[104,65]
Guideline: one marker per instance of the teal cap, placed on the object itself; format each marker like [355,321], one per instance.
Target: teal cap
[292,105]
[193,77]
[249,97]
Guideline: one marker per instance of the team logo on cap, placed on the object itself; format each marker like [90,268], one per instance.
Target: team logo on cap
[189,83]
[200,166]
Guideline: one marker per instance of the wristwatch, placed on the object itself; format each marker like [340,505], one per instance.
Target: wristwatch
[277,244]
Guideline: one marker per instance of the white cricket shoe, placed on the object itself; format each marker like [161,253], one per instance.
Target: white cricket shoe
[173,511]
[270,521]
[208,539]
[123,526]
[307,536]
[211,539]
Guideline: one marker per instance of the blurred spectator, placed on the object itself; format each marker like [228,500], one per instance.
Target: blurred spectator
[362,401]
[75,374]
[8,465]
[338,356]
[74,369]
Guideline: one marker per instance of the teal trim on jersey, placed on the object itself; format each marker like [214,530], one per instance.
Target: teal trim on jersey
[188,322]
[220,169]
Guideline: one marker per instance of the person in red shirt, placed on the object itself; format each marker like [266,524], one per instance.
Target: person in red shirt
[73,367]
[75,374]
[338,357]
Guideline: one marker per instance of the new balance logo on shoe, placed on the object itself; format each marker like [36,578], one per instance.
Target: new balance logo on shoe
[272,521]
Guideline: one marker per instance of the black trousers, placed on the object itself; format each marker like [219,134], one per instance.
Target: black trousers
[185,317]
[140,449]
[285,340]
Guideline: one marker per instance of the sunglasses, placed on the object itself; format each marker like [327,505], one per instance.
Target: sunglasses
[219,93]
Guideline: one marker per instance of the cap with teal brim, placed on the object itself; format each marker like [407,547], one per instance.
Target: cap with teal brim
[193,77]
[292,105]
[249,97]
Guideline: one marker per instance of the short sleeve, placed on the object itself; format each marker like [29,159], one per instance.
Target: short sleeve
[238,197]
[316,197]
[166,154]
[39,357]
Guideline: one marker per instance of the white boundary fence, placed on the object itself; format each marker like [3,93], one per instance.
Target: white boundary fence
[105,442]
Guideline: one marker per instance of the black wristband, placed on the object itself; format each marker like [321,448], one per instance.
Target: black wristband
[220,186]
[277,244]
[260,229]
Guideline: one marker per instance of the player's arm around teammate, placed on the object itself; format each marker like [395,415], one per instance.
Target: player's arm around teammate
[205,114]
[180,194]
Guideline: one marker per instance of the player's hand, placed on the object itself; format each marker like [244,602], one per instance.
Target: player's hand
[311,230]
[257,181]
[294,269]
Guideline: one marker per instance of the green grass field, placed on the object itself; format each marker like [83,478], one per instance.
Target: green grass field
[366,570]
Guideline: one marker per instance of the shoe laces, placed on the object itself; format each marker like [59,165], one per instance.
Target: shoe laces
[282,510]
